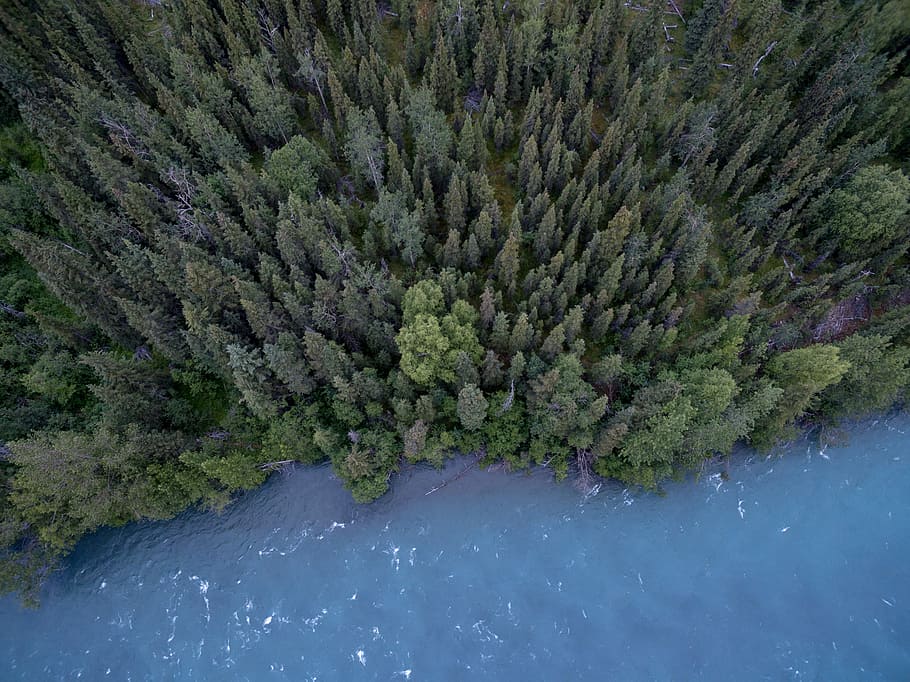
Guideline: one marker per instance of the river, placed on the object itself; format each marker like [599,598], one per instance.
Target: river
[797,567]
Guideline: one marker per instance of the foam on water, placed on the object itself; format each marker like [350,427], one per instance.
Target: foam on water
[793,567]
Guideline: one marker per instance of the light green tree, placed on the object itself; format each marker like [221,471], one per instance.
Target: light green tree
[879,371]
[292,168]
[802,374]
[429,342]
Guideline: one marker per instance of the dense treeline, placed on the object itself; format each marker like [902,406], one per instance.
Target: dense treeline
[613,238]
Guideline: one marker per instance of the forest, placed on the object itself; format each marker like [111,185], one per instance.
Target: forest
[611,238]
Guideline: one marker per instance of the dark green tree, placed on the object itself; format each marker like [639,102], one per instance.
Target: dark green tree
[472,407]
[870,209]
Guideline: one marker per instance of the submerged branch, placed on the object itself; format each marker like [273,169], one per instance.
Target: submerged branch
[456,476]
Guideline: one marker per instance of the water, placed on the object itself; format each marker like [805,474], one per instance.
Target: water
[794,568]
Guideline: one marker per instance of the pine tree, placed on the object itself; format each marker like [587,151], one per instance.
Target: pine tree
[492,370]
[455,204]
[530,160]
[522,335]
[501,83]
[336,18]
[442,76]
[545,235]
[465,372]
[482,229]
[251,376]
[451,252]
[273,116]
[500,334]
[553,344]
[507,264]
[286,359]
[471,253]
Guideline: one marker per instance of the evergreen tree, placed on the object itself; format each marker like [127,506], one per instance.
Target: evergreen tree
[507,264]
[802,374]
[251,376]
[879,371]
[871,208]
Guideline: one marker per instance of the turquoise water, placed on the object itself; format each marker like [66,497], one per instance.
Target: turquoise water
[796,567]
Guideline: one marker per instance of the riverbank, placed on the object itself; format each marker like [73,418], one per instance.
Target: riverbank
[797,562]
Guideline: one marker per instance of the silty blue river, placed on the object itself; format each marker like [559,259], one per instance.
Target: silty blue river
[795,567]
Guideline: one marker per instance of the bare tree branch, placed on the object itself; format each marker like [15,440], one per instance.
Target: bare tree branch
[7,308]
[190,226]
[456,476]
[676,10]
[767,52]
[123,137]
[507,403]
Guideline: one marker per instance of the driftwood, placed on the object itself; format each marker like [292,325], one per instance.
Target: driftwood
[271,466]
[586,481]
[456,476]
